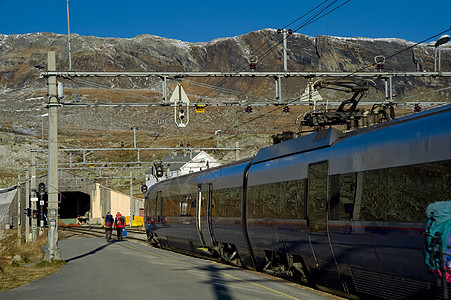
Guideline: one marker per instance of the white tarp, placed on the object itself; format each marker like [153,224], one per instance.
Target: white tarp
[5,203]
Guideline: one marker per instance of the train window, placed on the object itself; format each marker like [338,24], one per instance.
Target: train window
[227,202]
[346,194]
[334,188]
[171,206]
[402,194]
[158,205]
[183,205]
[280,200]
[317,197]
[202,197]
[147,207]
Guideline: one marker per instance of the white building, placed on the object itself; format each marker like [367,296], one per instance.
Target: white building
[181,164]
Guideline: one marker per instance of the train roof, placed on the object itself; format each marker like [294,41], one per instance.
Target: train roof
[203,173]
[328,137]
[309,142]
[345,161]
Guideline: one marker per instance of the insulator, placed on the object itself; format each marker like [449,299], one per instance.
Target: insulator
[417,108]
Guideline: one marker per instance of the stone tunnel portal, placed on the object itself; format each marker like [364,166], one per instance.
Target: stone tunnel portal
[73,205]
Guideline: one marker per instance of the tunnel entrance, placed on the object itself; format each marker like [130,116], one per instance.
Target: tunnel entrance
[73,205]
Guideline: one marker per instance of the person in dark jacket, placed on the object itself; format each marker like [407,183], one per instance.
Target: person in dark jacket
[109,220]
[119,224]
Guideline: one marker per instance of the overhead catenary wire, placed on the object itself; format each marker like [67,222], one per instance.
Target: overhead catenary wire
[430,92]
[218,88]
[320,14]
[272,47]
[360,70]
[314,18]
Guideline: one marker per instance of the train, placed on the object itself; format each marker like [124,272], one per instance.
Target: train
[341,211]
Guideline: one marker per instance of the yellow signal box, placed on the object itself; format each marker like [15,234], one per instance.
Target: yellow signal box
[200,108]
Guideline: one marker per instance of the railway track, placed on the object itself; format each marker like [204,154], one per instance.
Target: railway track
[132,233]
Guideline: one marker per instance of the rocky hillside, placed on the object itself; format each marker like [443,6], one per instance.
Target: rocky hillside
[20,53]
[23,93]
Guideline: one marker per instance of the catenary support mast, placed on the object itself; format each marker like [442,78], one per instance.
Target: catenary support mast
[53,251]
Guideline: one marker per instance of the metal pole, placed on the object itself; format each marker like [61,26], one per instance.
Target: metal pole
[284,35]
[19,198]
[41,213]
[42,132]
[53,190]
[435,60]
[391,89]
[439,59]
[132,203]
[134,137]
[27,203]
[34,199]
[280,88]
[165,91]
[68,37]
[386,89]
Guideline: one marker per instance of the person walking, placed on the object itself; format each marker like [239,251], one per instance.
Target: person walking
[119,224]
[109,220]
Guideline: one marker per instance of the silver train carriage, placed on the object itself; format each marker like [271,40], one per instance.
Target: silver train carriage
[342,211]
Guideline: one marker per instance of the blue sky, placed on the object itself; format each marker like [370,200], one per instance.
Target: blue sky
[203,21]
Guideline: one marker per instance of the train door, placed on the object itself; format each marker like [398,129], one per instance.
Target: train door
[317,213]
[203,214]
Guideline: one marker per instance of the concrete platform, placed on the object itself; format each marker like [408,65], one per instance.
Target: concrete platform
[128,270]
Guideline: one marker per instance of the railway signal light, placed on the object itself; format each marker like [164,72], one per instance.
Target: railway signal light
[144,188]
[249,109]
[182,114]
[41,188]
[286,109]
[159,170]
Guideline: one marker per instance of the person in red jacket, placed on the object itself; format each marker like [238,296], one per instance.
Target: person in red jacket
[119,224]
